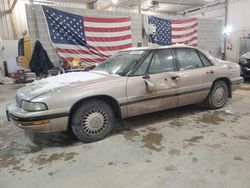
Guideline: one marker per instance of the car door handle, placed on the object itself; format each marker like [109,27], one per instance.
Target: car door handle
[210,72]
[146,77]
[174,77]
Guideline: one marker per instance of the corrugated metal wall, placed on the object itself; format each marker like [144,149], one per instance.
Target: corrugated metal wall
[6,28]
[12,25]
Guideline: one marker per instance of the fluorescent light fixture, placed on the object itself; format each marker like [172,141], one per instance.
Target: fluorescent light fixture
[149,13]
[228,30]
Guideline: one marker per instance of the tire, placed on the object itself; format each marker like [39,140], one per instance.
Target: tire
[218,95]
[92,121]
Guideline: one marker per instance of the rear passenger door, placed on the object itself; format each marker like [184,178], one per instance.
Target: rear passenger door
[196,73]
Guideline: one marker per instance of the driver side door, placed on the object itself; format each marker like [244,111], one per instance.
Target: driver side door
[153,87]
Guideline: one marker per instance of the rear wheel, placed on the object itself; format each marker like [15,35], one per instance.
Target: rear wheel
[92,121]
[218,95]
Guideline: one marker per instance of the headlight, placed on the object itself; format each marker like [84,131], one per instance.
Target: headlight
[33,106]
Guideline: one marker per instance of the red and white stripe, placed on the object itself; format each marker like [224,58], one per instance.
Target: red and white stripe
[105,36]
[185,32]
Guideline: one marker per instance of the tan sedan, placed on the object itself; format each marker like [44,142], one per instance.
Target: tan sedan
[132,82]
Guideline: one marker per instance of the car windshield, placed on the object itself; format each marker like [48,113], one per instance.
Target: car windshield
[121,63]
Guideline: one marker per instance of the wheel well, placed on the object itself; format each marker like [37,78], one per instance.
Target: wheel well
[228,82]
[110,100]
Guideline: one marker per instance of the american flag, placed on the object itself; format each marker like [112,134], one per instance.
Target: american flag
[174,31]
[90,39]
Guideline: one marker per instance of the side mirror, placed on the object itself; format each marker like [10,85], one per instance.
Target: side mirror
[150,85]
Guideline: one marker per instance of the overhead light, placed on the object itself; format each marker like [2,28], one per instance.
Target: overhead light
[228,30]
[149,13]
[114,1]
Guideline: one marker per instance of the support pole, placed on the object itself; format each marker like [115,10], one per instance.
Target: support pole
[139,43]
[225,25]
[13,18]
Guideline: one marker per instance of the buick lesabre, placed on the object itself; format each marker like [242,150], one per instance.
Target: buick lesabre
[132,82]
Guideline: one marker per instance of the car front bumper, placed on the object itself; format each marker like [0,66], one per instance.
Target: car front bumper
[38,122]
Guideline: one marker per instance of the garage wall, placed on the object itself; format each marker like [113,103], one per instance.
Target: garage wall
[238,19]
[210,36]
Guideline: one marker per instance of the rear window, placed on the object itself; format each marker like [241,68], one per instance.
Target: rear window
[188,58]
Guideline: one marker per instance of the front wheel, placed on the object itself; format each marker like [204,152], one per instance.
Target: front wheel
[92,121]
[218,95]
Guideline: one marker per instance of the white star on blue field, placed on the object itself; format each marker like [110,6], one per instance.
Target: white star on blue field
[163,31]
[65,28]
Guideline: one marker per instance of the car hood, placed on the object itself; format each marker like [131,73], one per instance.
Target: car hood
[68,80]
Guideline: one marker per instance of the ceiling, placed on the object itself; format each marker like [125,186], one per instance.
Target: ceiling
[171,6]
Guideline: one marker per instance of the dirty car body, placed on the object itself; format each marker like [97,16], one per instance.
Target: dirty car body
[133,82]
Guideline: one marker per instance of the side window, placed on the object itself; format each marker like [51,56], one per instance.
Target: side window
[142,69]
[205,60]
[161,62]
[188,59]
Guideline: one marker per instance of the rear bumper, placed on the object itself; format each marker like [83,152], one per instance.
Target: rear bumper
[236,83]
[38,122]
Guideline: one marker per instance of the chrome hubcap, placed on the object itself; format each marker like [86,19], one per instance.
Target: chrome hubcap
[219,95]
[94,122]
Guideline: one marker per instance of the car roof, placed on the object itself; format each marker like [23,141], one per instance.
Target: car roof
[160,47]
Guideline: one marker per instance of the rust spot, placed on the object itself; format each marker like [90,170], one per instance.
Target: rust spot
[152,141]
[223,134]
[194,160]
[130,134]
[235,120]
[210,170]
[213,118]
[194,139]
[215,146]
[174,152]
[238,158]
[243,137]
[171,168]
[7,161]
[189,144]
[110,163]
[223,172]
[151,128]
[42,159]
[176,123]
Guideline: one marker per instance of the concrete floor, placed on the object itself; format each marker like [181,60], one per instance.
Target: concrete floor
[185,147]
